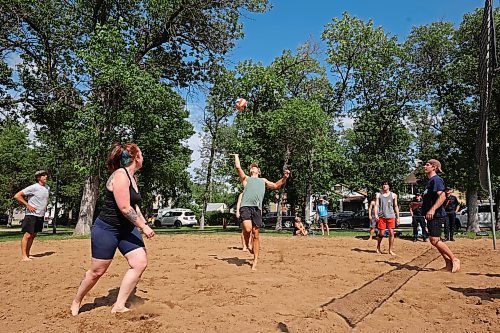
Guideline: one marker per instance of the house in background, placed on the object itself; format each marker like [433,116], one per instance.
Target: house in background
[216,207]
[349,199]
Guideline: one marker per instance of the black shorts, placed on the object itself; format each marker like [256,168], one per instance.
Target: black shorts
[323,220]
[253,214]
[434,226]
[32,224]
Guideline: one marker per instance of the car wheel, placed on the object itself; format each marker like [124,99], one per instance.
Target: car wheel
[178,224]
[345,225]
[157,224]
[287,224]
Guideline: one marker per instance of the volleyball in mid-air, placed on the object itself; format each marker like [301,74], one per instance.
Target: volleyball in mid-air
[241,104]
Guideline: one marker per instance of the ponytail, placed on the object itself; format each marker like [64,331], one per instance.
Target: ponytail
[121,155]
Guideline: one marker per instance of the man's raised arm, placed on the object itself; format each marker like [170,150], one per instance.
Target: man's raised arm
[239,170]
[279,183]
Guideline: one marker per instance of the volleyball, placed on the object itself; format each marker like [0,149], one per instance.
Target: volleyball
[241,103]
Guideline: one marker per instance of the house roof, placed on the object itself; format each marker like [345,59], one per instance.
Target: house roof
[216,206]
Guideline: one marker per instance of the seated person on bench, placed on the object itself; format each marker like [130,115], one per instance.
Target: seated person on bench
[299,229]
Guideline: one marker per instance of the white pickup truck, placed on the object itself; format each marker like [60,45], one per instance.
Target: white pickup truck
[483,212]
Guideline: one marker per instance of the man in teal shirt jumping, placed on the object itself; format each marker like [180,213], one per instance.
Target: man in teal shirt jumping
[251,203]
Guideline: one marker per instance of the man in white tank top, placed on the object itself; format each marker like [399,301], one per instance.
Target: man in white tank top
[387,215]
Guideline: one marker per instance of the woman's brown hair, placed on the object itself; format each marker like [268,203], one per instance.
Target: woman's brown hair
[121,155]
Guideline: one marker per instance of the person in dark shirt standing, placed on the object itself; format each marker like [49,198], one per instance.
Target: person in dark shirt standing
[417,217]
[433,210]
[451,205]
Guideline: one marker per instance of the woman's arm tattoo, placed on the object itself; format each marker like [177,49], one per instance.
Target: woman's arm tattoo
[131,215]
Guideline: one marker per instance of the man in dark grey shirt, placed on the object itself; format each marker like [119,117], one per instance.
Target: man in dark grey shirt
[36,206]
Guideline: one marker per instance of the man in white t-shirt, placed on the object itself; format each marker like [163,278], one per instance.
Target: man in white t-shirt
[38,199]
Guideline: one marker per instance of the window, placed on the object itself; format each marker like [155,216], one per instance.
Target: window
[189,214]
[176,213]
[485,209]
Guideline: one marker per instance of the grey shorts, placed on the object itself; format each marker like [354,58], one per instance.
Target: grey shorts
[323,220]
[373,223]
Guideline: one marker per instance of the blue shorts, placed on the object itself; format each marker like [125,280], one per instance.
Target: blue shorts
[105,238]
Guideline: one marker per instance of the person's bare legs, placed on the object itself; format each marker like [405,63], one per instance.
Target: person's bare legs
[371,233]
[380,236]
[247,230]
[243,245]
[255,247]
[452,262]
[97,268]
[322,229]
[327,229]
[391,242]
[138,261]
[26,244]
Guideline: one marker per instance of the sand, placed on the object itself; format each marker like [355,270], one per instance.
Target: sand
[205,284]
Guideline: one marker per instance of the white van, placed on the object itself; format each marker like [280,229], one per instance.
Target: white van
[176,217]
[483,214]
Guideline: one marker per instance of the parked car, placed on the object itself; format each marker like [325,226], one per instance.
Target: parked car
[355,220]
[269,220]
[335,218]
[405,219]
[4,219]
[483,212]
[177,217]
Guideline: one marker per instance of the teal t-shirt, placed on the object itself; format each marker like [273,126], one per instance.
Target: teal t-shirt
[253,194]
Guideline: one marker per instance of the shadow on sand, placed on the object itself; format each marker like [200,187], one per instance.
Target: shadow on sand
[44,254]
[486,294]
[110,299]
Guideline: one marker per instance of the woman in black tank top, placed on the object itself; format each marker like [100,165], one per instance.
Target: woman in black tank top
[118,226]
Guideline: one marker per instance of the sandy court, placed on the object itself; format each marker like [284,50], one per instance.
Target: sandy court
[204,284]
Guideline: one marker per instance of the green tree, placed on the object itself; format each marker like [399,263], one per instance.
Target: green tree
[85,103]
[373,88]
[445,65]
[18,163]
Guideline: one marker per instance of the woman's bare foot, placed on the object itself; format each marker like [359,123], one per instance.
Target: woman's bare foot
[455,265]
[254,265]
[379,251]
[121,309]
[392,253]
[75,308]
[26,259]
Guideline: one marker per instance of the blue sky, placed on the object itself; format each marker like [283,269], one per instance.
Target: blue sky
[291,22]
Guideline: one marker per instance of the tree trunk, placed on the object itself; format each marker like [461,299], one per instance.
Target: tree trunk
[208,180]
[472,217]
[279,215]
[87,206]
[309,188]
[11,216]
[497,209]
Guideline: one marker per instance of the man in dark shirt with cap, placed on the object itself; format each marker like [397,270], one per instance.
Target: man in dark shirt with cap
[433,210]
[451,205]
[417,217]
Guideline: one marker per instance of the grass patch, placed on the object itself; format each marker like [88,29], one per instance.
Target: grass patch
[15,234]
